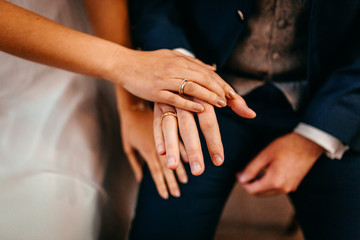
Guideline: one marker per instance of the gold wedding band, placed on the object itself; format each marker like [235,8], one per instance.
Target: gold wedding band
[182,86]
[169,113]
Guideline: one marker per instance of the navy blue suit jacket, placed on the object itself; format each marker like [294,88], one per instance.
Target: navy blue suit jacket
[211,29]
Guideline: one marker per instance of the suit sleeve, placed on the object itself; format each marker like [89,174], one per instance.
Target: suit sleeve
[335,108]
[156,24]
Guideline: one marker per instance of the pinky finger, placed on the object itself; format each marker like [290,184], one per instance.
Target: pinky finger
[181,173]
[135,165]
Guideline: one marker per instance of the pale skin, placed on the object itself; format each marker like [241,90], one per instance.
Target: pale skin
[287,160]
[167,138]
[283,163]
[30,36]
[44,41]
[136,123]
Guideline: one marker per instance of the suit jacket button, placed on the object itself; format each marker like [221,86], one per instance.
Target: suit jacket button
[241,15]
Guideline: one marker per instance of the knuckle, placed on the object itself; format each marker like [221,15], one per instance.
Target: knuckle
[187,105]
[147,151]
[286,189]
[182,117]
[127,151]
[154,171]
[171,68]
[206,79]
[252,191]
[206,124]
[293,189]
[214,147]
[190,87]
[193,154]
[213,97]
[278,184]
[171,99]
[165,51]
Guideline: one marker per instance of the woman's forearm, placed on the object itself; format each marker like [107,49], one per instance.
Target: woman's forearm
[30,36]
[110,21]
[154,76]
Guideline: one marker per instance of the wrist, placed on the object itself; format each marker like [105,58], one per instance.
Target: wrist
[115,65]
[310,146]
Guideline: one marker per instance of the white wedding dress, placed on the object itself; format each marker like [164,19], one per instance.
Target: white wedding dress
[51,154]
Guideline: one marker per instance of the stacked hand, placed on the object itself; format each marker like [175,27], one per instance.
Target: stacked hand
[278,169]
[166,131]
[138,136]
[156,76]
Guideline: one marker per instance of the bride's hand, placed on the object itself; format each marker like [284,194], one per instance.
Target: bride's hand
[157,76]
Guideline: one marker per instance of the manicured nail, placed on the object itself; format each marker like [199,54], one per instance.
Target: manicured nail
[176,193]
[220,102]
[232,93]
[217,160]
[198,108]
[195,168]
[171,162]
[160,149]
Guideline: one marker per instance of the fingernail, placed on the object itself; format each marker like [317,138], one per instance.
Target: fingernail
[176,193]
[232,93]
[217,160]
[164,194]
[214,66]
[171,162]
[198,108]
[160,149]
[184,179]
[251,112]
[243,178]
[138,177]
[195,168]
[221,103]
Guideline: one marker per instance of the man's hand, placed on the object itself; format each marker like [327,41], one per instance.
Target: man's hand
[137,136]
[167,136]
[281,166]
[167,133]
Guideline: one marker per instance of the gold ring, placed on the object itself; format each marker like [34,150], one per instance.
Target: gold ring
[182,86]
[169,113]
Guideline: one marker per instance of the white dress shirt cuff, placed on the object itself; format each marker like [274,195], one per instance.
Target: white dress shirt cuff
[185,52]
[334,148]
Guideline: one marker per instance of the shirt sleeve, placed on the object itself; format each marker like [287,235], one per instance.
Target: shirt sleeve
[185,52]
[334,148]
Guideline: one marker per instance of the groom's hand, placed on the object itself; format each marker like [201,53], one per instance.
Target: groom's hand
[281,166]
[167,132]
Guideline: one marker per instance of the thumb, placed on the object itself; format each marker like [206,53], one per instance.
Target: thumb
[254,169]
